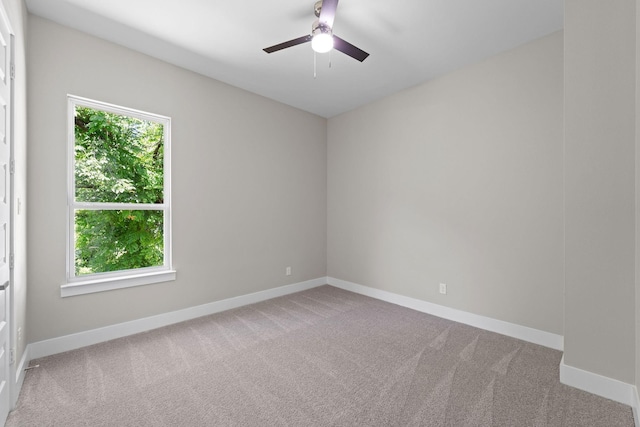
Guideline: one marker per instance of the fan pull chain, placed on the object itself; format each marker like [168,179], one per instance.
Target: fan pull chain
[314,64]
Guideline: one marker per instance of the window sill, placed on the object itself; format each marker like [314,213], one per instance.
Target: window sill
[107,284]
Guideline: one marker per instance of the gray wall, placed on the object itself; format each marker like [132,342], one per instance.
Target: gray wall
[249,182]
[600,79]
[458,181]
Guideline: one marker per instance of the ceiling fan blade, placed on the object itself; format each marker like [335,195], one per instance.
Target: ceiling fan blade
[349,49]
[328,12]
[287,44]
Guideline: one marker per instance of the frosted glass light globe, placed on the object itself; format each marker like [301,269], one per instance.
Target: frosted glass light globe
[322,42]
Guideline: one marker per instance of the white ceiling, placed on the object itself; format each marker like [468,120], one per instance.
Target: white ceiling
[410,41]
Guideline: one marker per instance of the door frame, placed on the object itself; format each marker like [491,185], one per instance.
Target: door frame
[13,376]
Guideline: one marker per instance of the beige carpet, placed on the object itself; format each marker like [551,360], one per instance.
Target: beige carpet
[323,357]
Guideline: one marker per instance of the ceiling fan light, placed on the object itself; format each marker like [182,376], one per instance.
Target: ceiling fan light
[322,40]
[322,43]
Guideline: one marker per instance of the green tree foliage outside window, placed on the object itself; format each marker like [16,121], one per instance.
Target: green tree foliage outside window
[118,159]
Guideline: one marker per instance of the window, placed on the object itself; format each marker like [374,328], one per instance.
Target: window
[119,226]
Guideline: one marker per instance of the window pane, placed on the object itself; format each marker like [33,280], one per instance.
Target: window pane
[111,240]
[118,159]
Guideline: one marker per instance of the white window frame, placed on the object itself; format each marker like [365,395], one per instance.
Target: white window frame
[98,282]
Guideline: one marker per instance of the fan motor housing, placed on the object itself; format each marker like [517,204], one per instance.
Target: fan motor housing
[320,28]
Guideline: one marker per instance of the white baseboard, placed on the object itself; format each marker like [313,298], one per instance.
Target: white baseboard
[94,336]
[524,333]
[600,385]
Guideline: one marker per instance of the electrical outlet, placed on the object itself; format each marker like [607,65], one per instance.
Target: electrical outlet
[443,288]
[287,271]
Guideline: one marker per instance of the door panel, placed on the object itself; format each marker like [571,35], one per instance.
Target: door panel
[5,213]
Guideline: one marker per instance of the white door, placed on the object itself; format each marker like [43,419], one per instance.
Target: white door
[6,76]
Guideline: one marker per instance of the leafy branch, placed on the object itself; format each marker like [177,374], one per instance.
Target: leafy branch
[118,159]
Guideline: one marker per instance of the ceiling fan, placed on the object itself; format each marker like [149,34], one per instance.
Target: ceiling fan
[322,38]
